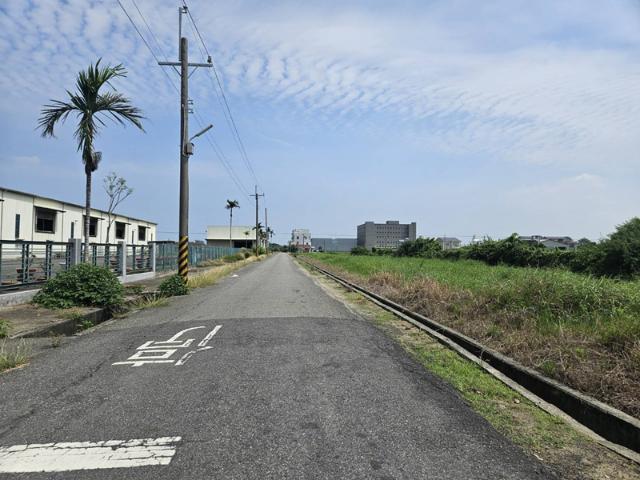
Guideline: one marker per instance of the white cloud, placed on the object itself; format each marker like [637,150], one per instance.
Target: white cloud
[507,81]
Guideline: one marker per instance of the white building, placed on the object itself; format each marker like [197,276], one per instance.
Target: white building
[301,238]
[24,216]
[241,236]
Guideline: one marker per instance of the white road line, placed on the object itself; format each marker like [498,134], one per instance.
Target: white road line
[177,335]
[188,355]
[61,457]
[209,336]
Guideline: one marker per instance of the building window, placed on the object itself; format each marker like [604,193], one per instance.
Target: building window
[93,225]
[17,225]
[120,230]
[45,220]
[73,229]
[142,234]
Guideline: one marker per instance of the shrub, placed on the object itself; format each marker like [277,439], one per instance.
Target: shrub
[240,256]
[360,251]
[83,285]
[421,247]
[621,251]
[173,286]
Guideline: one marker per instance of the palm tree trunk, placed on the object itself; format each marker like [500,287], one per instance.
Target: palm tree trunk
[87,219]
[230,223]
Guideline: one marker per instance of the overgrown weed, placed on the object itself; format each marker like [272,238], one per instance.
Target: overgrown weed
[12,357]
[149,301]
[539,317]
[210,277]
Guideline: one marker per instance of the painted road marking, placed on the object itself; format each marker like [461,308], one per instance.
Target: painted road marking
[209,336]
[160,352]
[61,457]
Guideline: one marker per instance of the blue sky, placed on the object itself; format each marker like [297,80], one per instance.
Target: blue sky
[469,118]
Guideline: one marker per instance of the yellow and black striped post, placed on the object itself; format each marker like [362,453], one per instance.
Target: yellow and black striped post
[183,259]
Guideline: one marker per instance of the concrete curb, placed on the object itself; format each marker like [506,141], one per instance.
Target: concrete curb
[613,426]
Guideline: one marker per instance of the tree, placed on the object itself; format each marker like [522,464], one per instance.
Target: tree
[231,204]
[117,190]
[584,242]
[92,108]
[246,236]
[259,227]
[270,234]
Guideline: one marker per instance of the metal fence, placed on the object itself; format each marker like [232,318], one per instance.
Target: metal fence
[103,255]
[167,254]
[25,264]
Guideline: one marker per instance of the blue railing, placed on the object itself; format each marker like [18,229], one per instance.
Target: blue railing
[167,254]
[25,264]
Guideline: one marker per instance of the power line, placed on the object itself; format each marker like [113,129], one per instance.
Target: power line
[221,156]
[233,123]
[145,41]
[242,188]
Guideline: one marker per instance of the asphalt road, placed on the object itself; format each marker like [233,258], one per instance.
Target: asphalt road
[291,385]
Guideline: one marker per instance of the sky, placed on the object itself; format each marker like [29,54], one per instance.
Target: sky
[469,118]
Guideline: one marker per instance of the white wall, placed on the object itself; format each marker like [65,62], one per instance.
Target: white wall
[24,204]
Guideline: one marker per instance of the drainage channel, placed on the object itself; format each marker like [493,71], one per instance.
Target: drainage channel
[608,426]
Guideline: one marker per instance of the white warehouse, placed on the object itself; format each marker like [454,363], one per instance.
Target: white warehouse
[29,217]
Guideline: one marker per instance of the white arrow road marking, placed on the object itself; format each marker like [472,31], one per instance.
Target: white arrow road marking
[61,457]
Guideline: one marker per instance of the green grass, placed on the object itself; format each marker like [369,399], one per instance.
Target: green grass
[508,411]
[555,296]
[149,302]
[13,357]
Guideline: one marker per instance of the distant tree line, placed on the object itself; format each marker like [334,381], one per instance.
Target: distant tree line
[617,256]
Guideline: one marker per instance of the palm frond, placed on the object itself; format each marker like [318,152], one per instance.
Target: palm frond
[52,114]
[119,109]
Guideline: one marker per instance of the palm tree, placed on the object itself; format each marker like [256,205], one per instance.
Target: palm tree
[270,234]
[231,204]
[259,227]
[246,236]
[91,107]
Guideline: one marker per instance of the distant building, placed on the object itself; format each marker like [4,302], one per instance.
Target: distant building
[550,242]
[25,216]
[385,235]
[333,244]
[449,243]
[301,238]
[218,236]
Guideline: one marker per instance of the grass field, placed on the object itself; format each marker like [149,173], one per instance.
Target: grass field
[577,329]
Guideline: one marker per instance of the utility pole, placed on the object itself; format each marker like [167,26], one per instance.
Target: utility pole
[186,147]
[257,229]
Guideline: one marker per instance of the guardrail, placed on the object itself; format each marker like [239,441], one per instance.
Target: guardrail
[25,264]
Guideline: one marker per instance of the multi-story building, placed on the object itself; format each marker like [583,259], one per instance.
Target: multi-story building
[333,244]
[385,235]
[301,238]
[25,216]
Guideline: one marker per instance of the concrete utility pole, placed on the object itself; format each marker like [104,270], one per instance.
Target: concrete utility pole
[257,229]
[186,147]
